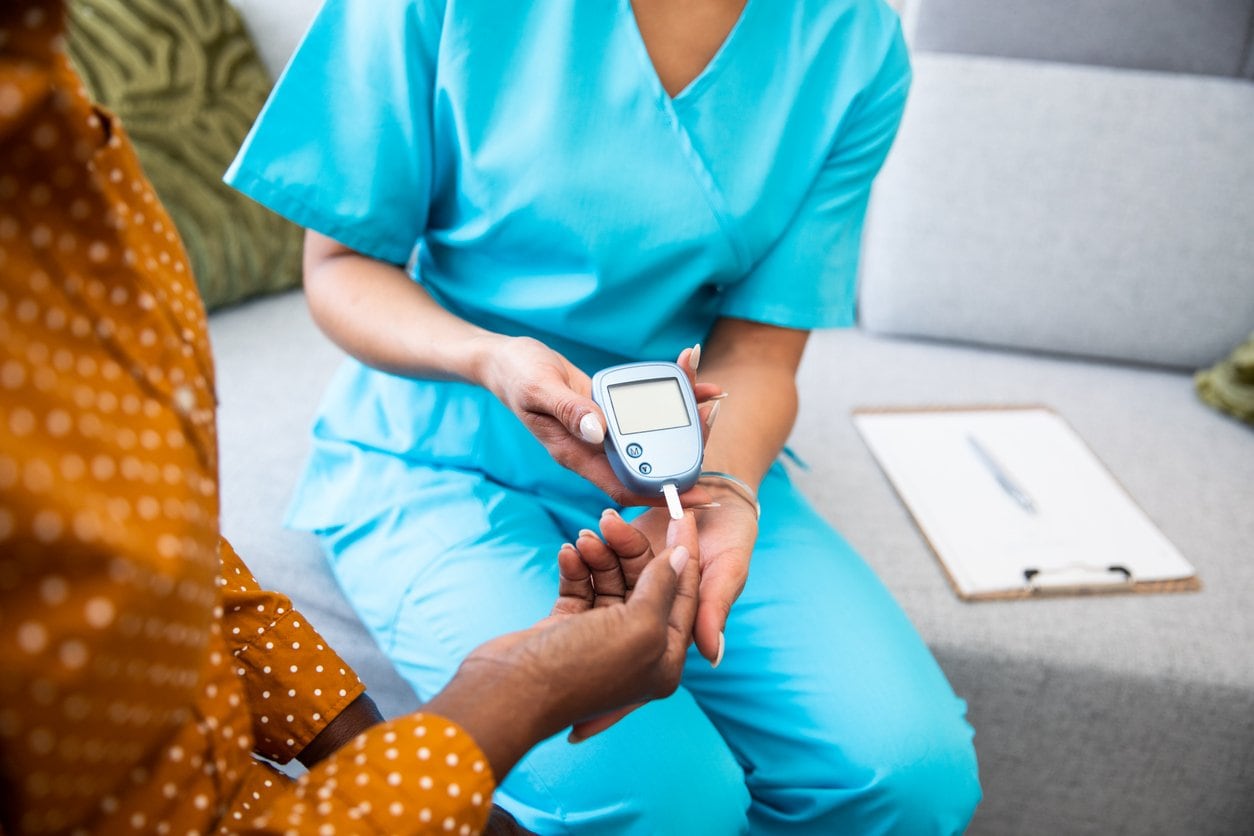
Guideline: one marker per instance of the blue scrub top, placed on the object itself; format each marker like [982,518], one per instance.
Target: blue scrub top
[526,164]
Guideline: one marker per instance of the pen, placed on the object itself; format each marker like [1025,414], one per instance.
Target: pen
[1003,478]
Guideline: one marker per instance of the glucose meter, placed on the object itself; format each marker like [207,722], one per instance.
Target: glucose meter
[654,440]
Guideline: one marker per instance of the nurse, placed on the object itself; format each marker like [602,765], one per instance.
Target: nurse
[504,197]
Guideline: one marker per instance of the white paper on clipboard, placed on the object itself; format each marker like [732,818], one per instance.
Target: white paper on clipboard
[1080,531]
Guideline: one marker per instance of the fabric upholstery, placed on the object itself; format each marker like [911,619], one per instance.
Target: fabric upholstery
[1068,209]
[1093,715]
[186,82]
[277,27]
[1188,36]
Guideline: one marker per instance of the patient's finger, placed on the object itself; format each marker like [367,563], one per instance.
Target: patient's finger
[607,573]
[629,543]
[574,588]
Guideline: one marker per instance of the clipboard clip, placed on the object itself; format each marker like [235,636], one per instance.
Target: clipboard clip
[1077,575]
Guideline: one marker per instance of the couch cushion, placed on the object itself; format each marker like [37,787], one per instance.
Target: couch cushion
[1130,714]
[1064,208]
[186,83]
[1209,37]
[277,27]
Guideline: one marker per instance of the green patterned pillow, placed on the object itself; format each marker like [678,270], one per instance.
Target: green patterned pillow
[186,82]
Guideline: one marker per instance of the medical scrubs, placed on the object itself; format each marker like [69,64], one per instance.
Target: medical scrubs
[524,162]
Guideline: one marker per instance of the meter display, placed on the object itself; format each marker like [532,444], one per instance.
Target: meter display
[649,405]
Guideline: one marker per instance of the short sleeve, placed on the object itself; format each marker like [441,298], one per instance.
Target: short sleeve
[344,144]
[808,278]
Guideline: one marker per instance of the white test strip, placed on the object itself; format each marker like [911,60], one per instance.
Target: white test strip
[672,501]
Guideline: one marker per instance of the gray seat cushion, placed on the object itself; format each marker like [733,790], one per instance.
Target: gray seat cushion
[1067,209]
[1130,714]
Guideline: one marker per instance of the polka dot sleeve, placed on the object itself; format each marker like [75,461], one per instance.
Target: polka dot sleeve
[295,683]
[417,774]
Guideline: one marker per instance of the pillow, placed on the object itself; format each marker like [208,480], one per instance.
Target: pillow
[186,83]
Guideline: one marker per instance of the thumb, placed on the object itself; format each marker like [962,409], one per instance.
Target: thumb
[656,589]
[719,590]
[576,412]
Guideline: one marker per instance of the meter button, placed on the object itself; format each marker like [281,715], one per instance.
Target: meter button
[634,450]
[646,468]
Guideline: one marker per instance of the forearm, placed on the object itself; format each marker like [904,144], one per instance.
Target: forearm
[755,421]
[382,317]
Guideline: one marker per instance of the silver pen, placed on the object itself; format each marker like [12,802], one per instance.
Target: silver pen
[999,473]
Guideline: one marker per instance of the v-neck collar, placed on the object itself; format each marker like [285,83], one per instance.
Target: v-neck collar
[708,73]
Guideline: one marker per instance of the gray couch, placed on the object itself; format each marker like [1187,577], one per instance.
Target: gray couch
[1068,219]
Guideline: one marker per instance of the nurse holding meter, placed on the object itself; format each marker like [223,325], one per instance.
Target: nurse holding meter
[504,199]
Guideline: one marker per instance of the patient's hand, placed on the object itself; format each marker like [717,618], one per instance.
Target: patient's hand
[608,647]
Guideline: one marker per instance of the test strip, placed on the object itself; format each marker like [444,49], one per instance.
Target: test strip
[672,501]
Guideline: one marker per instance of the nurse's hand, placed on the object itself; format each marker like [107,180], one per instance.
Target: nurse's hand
[726,536]
[553,399]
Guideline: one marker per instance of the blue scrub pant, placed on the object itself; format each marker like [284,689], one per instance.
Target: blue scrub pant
[827,715]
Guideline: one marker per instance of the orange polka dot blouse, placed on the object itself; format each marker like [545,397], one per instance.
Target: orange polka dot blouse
[141,665]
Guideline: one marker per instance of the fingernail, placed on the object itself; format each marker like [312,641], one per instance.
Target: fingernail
[722,646]
[591,430]
[574,737]
[587,532]
[679,559]
[718,397]
[694,359]
[709,422]
[609,512]
[705,506]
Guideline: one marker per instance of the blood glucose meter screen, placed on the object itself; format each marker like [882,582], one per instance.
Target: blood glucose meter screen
[649,405]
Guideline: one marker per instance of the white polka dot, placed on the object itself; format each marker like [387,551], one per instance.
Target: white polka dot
[449,823]
[32,637]
[394,779]
[73,654]
[425,782]
[454,790]
[99,612]
[47,525]
[10,100]
[53,590]
[451,759]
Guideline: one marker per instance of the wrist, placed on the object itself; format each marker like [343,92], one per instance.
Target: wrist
[727,488]
[358,716]
[498,709]
[482,357]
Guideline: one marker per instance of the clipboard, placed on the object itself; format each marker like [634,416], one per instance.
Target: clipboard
[1015,505]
